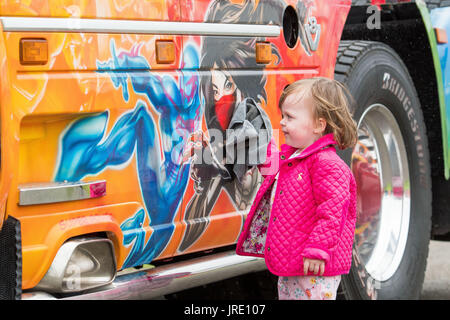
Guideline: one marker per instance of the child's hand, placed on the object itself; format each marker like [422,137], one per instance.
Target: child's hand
[313,265]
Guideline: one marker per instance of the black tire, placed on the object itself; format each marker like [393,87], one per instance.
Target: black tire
[375,74]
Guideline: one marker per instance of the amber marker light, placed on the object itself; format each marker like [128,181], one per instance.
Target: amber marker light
[165,51]
[33,51]
[441,35]
[263,52]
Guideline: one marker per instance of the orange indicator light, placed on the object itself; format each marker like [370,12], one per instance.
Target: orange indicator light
[33,51]
[441,35]
[165,51]
[263,52]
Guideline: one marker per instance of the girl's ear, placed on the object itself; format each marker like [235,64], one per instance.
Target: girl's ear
[321,125]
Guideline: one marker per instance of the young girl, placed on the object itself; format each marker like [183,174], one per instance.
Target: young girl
[303,218]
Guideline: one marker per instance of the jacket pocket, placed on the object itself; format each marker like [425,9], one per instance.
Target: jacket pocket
[298,242]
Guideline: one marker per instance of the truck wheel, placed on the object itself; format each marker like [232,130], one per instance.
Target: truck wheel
[391,166]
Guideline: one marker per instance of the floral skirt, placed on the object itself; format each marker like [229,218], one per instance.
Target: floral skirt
[308,287]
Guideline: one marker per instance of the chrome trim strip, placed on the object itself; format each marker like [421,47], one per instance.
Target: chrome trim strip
[52,192]
[36,24]
[156,282]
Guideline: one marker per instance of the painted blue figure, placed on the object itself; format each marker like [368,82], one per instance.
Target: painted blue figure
[86,148]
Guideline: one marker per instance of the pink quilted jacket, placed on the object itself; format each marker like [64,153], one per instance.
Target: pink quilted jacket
[313,213]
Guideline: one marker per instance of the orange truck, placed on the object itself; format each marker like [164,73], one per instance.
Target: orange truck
[118,119]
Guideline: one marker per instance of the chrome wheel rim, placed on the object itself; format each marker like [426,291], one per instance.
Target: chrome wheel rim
[380,166]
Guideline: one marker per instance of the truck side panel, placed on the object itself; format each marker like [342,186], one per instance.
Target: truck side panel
[103,109]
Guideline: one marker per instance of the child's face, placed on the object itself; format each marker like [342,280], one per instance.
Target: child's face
[299,126]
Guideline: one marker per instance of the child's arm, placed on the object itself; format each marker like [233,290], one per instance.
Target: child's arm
[271,165]
[331,185]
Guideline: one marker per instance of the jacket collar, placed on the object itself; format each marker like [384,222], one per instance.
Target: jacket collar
[320,143]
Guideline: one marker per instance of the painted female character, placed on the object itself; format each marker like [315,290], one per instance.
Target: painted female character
[224,92]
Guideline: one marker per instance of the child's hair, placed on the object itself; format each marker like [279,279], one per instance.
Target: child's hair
[331,102]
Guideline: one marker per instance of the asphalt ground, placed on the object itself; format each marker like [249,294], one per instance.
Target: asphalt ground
[437,274]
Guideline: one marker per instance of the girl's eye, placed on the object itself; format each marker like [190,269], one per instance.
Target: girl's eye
[228,85]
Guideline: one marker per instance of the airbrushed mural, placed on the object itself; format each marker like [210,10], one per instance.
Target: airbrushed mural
[87,149]
[178,144]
